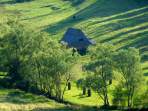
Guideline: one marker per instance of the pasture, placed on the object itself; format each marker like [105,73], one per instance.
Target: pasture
[104,21]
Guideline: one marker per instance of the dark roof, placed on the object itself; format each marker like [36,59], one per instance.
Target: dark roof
[76,38]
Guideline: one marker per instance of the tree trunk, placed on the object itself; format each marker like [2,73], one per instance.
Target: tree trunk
[84,90]
[128,101]
[69,86]
[106,101]
[89,92]
[110,82]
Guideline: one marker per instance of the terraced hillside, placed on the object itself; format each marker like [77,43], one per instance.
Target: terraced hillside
[123,23]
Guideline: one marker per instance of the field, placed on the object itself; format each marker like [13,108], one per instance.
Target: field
[101,20]
[124,26]
[14,99]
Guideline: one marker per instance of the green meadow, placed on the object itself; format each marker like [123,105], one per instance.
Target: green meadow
[14,99]
[123,23]
[123,26]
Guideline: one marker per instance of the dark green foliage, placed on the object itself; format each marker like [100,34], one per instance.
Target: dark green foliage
[14,44]
[33,61]
[101,66]
[128,64]
[119,96]
[141,100]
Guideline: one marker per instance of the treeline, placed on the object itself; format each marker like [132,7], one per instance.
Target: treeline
[36,63]
[123,67]
[33,61]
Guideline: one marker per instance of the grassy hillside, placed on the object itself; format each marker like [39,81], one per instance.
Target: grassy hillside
[16,100]
[123,25]
[105,21]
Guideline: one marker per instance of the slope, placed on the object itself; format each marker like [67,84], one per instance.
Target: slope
[123,23]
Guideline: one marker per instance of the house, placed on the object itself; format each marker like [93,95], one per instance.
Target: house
[76,39]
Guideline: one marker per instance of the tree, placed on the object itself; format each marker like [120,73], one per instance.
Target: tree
[50,67]
[81,84]
[128,64]
[140,100]
[33,59]
[102,70]
[119,96]
[15,47]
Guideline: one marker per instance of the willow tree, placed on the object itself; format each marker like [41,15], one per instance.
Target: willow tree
[60,61]
[49,68]
[101,66]
[128,64]
[15,46]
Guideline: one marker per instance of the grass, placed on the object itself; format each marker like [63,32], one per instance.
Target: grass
[123,26]
[145,68]
[16,100]
[102,20]
[2,75]
[75,96]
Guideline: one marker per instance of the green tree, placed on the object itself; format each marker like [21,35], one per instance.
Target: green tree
[81,84]
[33,59]
[119,98]
[50,68]
[101,66]
[15,47]
[128,64]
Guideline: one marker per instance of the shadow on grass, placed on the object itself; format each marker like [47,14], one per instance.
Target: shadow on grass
[137,43]
[143,49]
[88,108]
[98,9]
[75,2]
[80,96]
[7,2]
[70,108]
[146,74]
[134,37]
[145,58]
[123,33]
[121,24]
[21,97]
[14,1]
[142,41]
[145,68]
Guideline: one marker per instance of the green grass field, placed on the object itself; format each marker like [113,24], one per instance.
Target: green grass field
[16,100]
[104,21]
[124,26]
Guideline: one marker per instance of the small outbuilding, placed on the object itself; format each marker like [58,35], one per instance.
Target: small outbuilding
[75,38]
